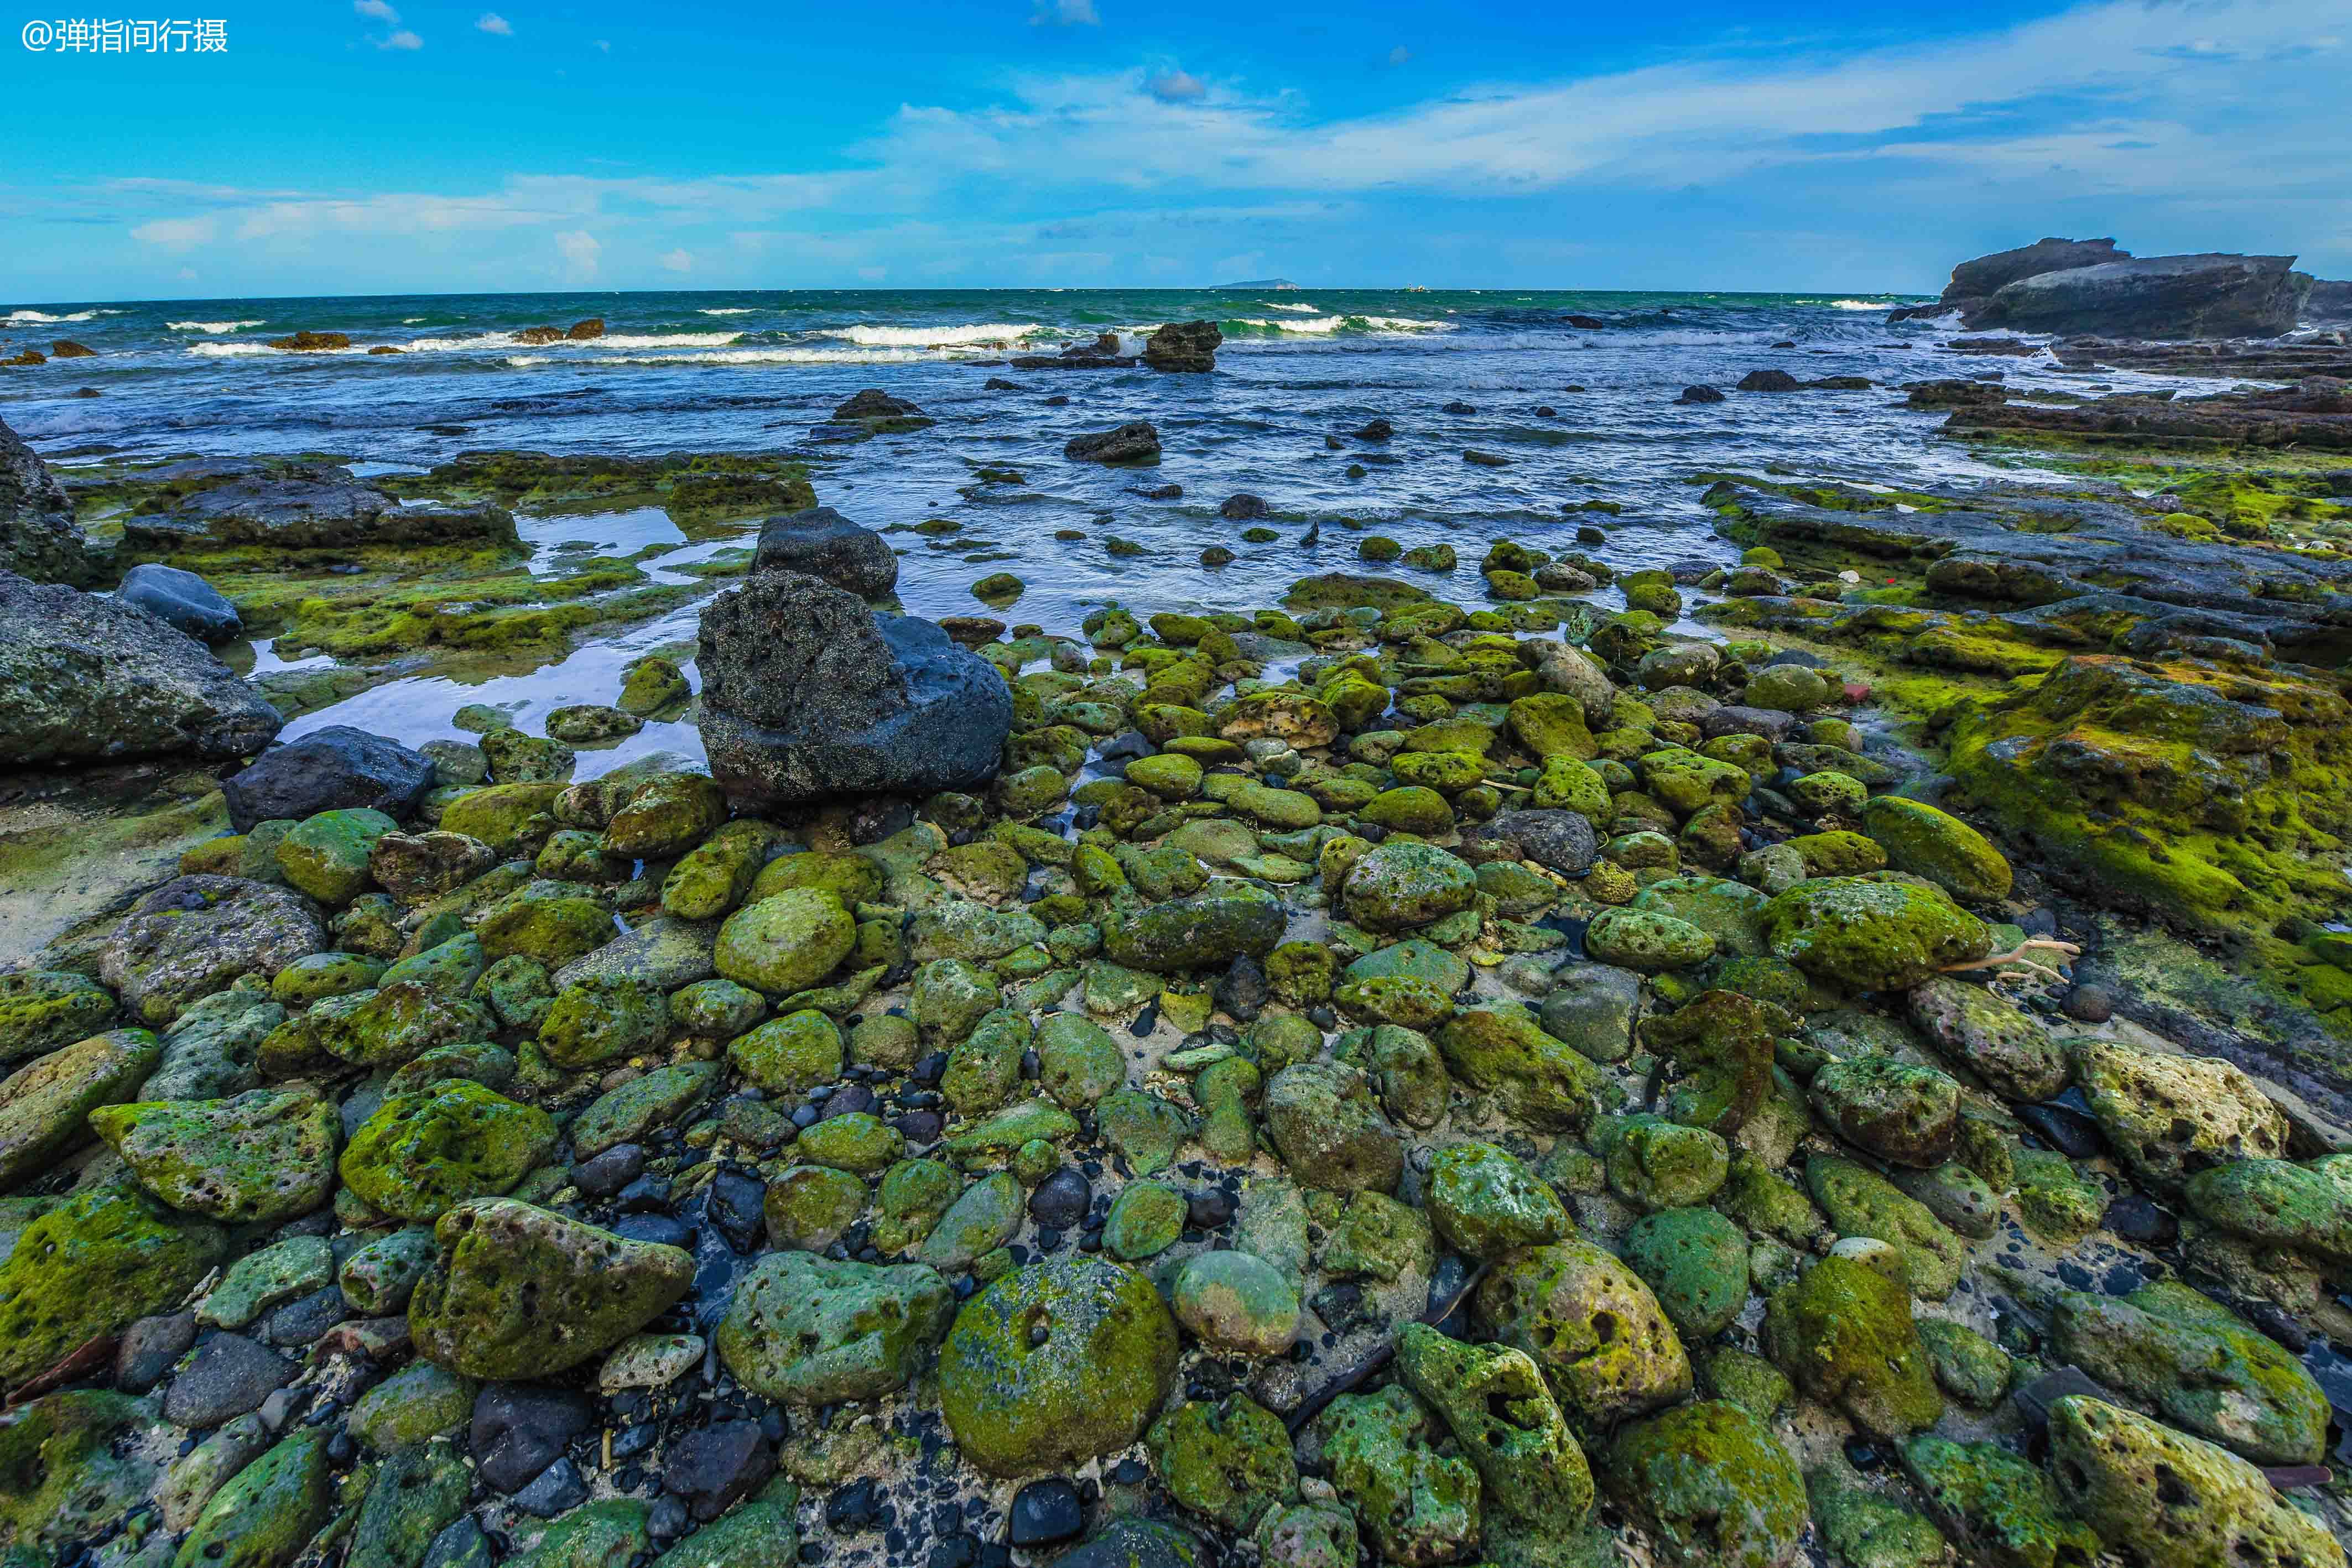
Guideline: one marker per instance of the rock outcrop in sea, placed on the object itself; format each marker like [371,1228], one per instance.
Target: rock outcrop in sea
[39,539]
[2089,287]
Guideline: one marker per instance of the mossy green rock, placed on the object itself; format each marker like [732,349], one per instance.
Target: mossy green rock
[1229,1461]
[517,1291]
[1688,782]
[1868,1529]
[267,1511]
[1695,1262]
[1078,1060]
[665,816]
[786,943]
[1485,1202]
[810,1205]
[1535,1079]
[1604,1343]
[1653,1163]
[1329,1131]
[450,968]
[951,997]
[1730,912]
[2170,1117]
[1053,1364]
[1935,844]
[415,1494]
[378,1279]
[553,930]
[421,1154]
[71,1467]
[45,1105]
[642,1105]
[852,1142]
[1411,808]
[1405,886]
[106,1256]
[1236,1302]
[807,1330]
[609,1534]
[985,1067]
[1968,1366]
[260,1156]
[1999,1506]
[984,1216]
[2199,1366]
[1861,1202]
[415,1405]
[760,1534]
[1872,933]
[716,875]
[1648,940]
[326,855]
[1419,1505]
[1145,1220]
[42,1009]
[1226,919]
[789,1055]
[597,1020]
[1906,1115]
[2174,1500]
[1843,1333]
[2305,1207]
[1712,1487]
[1494,1401]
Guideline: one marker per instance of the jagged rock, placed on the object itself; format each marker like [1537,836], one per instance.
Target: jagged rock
[808,695]
[1183,346]
[332,769]
[39,539]
[1134,443]
[2204,296]
[823,544]
[85,679]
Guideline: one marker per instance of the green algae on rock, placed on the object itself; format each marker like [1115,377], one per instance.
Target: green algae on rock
[1604,1343]
[260,1156]
[1872,933]
[89,1267]
[1711,1485]
[1843,1333]
[518,1292]
[1055,1364]
[806,1330]
[2145,1488]
[423,1153]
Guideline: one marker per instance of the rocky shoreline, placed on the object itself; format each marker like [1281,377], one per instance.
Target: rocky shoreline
[1435,1069]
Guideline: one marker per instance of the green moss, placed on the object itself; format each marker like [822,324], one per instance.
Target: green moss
[1844,1335]
[421,1154]
[91,1266]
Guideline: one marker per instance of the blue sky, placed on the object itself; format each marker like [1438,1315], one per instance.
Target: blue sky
[397,145]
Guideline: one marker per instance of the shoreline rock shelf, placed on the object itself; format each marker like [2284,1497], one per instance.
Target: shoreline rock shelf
[1371,1079]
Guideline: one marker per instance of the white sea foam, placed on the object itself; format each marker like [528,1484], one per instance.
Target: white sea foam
[1859,305]
[1301,310]
[208,325]
[663,340]
[727,311]
[243,350]
[1323,325]
[30,317]
[976,336]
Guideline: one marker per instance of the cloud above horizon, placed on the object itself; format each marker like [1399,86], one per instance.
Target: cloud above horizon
[2218,117]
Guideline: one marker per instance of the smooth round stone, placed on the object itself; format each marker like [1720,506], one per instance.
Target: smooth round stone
[1237,1302]
[1061,1199]
[1045,1512]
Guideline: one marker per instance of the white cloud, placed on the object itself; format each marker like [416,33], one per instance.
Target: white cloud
[1176,86]
[679,260]
[403,39]
[580,250]
[1065,14]
[378,10]
[491,21]
[1399,55]
[175,233]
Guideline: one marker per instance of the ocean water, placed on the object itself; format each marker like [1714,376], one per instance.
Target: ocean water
[760,370]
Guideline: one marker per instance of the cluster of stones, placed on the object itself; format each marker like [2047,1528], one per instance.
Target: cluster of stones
[1486,1098]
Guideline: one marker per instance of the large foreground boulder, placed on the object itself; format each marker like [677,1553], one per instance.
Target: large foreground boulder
[809,695]
[38,537]
[2208,296]
[85,679]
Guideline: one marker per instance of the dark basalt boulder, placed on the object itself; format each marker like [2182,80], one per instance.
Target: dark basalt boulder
[1137,442]
[184,599]
[875,404]
[85,679]
[1183,346]
[2208,296]
[39,539]
[332,769]
[825,545]
[2316,413]
[1101,353]
[807,695]
[310,508]
[1986,275]
[2330,301]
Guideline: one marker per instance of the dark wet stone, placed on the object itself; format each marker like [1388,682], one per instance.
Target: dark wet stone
[182,599]
[735,1207]
[230,1375]
[461,1545]
[1770,723]
[330,770]
[829,547]
[1701,394]
[659,1227]
[715,1467]
[1209,1210]
[847,1100]
[2033,1401]
[1062,1200]
[855,1507]
[1045,1513]
[555,1489]
[1243,990]
[301,1322]
[2089,1004]
[518,1429]
[2135,1218]
[2071,1133]
[148,1349]
[921,1128]
[609,1172]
